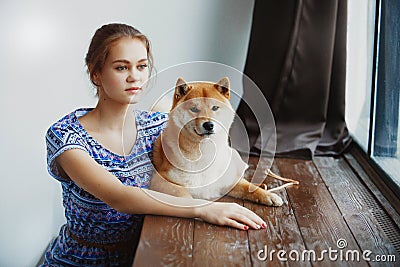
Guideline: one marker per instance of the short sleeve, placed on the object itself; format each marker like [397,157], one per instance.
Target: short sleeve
[59,138]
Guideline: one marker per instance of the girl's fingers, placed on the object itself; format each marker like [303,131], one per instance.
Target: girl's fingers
[236,224]
[252,219]
[246,217]
[243,220]
[231,214]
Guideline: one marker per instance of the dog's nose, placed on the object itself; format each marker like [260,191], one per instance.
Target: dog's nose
[208,126]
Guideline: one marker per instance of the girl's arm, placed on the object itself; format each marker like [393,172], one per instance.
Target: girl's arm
[96,180]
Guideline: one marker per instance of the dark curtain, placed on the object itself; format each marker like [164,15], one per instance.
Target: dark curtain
[297,58]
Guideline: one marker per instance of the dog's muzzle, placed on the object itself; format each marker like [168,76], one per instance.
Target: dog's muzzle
[207,128]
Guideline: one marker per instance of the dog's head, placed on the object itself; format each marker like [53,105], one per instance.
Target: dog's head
[202,109]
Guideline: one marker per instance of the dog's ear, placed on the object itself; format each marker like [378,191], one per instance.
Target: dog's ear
[181,88]
[223,86]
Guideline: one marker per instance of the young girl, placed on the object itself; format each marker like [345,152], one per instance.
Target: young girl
[102,157]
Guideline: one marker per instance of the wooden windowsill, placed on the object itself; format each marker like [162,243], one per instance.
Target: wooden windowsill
[336,200]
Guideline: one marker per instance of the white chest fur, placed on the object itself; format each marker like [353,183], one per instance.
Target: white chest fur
[213,174]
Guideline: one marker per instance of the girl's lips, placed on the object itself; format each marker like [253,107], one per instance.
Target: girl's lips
[133,89]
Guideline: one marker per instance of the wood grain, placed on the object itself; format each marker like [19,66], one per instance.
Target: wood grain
[366,176]
[332,202]
[358,207]
[320,222]
[282,232]
[220,246]
[165,241]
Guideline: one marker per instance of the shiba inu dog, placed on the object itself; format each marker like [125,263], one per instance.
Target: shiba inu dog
[192,156]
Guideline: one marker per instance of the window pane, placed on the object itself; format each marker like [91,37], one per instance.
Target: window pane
[360,48]
[385,148]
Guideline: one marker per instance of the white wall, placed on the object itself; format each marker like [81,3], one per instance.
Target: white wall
[42,77]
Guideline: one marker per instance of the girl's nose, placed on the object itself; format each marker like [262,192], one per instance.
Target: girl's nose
[134,75]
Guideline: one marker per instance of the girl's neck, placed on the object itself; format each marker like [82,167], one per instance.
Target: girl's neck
[113,126]
[113,116]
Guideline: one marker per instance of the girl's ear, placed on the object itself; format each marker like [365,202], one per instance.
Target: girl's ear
[95,79]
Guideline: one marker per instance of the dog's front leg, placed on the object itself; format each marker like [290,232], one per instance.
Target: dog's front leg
[246,190]
[158,183]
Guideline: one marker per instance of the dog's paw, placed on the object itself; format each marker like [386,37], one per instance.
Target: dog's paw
[272,199]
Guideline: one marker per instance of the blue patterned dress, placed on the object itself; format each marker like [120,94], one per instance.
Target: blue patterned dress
[95,234]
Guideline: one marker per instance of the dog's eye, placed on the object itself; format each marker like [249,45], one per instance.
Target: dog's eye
[215,108]
[194,110]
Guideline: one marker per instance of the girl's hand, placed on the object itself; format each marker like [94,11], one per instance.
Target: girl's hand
[230,214]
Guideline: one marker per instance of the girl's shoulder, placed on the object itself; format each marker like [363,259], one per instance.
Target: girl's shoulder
[65,134]
[68,127]
[67,120]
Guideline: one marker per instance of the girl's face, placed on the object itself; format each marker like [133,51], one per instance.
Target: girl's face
[124,72]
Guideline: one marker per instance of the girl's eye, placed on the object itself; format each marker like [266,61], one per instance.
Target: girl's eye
[142,66]
[194,110]
[215,108]
[121,68]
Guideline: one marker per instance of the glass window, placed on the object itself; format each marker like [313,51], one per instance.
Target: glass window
[360,54]
[385,145]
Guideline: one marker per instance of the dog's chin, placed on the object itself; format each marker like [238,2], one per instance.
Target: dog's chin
[205,134]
